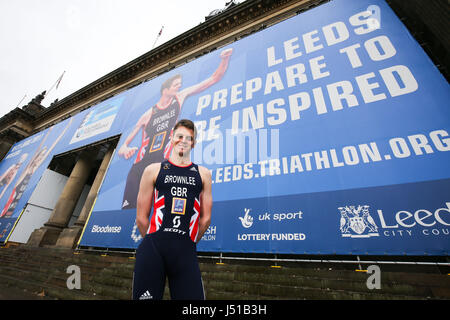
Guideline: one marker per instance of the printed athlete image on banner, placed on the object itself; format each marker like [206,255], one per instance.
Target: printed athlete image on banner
[145,139]
[155,126]
[21,170]
[25,163]
[327,133]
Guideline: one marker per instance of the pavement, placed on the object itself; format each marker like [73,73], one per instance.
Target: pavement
[11,293]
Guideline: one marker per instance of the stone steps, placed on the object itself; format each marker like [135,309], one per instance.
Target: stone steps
[294,282]
[42,272]
[45,270]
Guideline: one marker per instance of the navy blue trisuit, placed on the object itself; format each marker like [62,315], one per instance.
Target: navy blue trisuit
[169,247]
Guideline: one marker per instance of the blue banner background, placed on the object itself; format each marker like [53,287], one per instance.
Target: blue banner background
[62,137]
[386,154]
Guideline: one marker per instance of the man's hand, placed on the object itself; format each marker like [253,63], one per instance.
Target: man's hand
[226,53]
[127,152]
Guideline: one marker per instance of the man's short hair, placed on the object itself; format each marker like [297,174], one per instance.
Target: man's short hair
[166,84]
[187,124]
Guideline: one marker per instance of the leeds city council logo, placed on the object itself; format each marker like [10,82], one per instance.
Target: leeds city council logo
[357,222]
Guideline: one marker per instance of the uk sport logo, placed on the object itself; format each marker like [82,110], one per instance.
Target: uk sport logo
[357,222]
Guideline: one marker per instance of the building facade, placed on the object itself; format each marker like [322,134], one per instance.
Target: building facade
[86,164]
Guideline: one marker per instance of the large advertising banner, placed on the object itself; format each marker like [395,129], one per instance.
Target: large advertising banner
[327,133]
[23,166]
[21,170]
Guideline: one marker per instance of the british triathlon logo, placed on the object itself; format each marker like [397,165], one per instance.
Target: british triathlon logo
[357,222]
[246,220]
[135,235]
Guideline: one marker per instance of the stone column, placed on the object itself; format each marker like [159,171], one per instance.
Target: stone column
[69,236]
[60,217]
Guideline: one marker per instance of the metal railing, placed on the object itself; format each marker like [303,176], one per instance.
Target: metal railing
[358,261]
[220,256]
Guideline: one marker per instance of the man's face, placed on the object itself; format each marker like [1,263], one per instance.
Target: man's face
[183,140]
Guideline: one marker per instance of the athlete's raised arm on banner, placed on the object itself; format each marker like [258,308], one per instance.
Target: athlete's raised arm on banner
[214,78]
[43,154]
[57,139]
[206,202]
[145,197]
[124,150]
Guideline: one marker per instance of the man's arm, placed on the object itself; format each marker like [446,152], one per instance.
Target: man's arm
[56,141]
[124,150]
[145,197]
[215,77]
[206,202]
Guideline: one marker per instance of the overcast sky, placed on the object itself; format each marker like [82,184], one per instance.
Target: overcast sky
[40,39]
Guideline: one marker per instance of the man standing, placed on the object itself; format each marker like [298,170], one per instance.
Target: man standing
[156,125]
[181,196]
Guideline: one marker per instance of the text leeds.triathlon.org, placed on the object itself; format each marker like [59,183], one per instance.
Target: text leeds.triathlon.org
[365,153]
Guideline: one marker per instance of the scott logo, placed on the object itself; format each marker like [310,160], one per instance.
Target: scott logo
[176,222]
[246,220]
[357,222]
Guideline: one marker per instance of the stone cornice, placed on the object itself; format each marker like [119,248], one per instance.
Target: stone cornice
[14,115]
[13,134]
[10,120]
